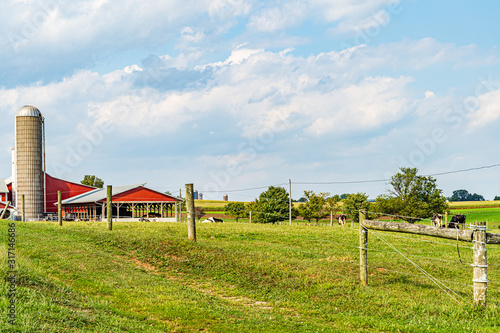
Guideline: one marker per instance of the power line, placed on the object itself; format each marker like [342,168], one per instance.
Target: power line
[386,180]
[245,189]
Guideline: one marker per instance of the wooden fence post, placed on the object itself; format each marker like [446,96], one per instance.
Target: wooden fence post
[23,209]
[363,250]
[480,263]
[109,207]
[190,212]
[59,207]
[446,219]
[290,200]
[5,210]
[180,205]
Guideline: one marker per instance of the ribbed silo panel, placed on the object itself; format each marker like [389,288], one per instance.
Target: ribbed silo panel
[29,143]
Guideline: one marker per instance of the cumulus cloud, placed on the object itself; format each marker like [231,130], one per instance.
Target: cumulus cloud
[279,18]
[255,89]
[262,91]
[486,108]
[334,10]
[368,104]
[64,35]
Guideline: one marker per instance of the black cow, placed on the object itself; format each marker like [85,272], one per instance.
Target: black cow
[341,219]
[456,221]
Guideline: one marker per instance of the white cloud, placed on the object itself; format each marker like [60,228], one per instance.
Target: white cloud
[486,108]
[258,90]
[68,35]
[279,18]
[334,10]
[370,26]
[227,9]
[369,104]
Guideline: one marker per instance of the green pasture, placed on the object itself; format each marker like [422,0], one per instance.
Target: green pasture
[239,277]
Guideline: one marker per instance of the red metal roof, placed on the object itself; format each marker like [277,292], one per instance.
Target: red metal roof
[142,194]
[2,206]
[68,189]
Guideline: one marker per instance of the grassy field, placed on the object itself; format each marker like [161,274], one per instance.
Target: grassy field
[474,204]
[146,277]
[218,205]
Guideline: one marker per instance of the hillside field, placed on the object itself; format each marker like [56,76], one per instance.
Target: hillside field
[238,277]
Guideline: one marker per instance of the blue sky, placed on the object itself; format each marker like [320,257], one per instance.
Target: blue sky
[233,94]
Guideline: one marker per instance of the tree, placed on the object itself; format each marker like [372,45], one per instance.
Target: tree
[464,195]
[412,197]
[353,203]
[331,207]
[314,207]
[251,208]
[199,212]
[272,205]
[305,212]
[476,197]
[92,180]
[497,197]
[236,210]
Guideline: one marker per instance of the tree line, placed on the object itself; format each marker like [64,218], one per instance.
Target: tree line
[411,198]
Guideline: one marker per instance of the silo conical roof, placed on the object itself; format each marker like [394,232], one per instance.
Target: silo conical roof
[28,111]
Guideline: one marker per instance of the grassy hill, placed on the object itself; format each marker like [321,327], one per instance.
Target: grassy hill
[146,277]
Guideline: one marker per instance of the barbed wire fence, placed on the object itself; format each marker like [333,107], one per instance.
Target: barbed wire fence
[443,284]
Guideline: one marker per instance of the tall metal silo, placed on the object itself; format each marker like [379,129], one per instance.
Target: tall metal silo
[29,162]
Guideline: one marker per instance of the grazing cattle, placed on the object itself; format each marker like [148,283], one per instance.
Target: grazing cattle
[151,215]
[437,220]
[342,219]
[212,219]
[456,220]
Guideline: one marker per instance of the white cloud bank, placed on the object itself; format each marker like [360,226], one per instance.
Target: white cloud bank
[258,89]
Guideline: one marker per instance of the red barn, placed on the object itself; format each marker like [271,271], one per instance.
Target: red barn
[4,191]
[68,189]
